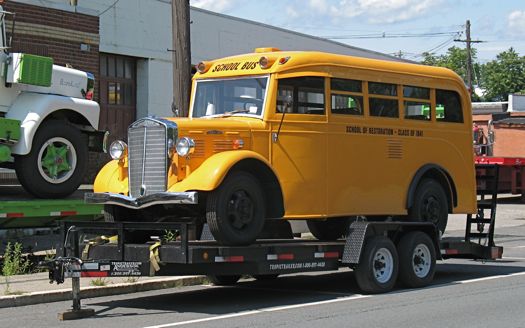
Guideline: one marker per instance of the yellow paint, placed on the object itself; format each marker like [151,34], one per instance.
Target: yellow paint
[113,177]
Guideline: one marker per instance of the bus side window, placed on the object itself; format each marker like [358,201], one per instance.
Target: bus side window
[448,106]
[347,96]
[307,94]
[385,104]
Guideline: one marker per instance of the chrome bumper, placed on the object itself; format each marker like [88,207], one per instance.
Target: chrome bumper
[142,202]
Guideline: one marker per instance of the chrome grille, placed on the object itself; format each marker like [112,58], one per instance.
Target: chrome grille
[147,158]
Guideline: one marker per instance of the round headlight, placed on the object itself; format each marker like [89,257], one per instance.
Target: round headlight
[185,146]
[117,150]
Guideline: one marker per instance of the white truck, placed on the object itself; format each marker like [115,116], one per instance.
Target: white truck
[48,121]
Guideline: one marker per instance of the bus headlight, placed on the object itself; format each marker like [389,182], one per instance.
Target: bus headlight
[118,149]
[185,146]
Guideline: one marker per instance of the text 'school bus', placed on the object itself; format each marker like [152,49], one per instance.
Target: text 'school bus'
[299,135]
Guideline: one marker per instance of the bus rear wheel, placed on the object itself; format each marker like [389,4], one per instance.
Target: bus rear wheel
[430,204]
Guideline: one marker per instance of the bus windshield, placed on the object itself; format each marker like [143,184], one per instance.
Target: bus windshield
[227,97]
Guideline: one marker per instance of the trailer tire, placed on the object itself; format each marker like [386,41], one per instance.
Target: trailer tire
[378,268]
[265,277]
[235,210]
[56,163]
[329,229]
[223,280]
[417,259]
[430,204]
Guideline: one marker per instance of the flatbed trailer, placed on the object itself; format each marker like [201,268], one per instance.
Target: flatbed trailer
[19,210]
[380,253]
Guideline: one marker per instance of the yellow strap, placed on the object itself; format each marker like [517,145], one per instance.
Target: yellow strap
[99,240]
[154,258]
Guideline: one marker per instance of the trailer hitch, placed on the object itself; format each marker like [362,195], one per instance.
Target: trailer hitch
[59,266]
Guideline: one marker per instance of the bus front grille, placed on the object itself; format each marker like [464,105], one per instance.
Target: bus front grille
[147,158]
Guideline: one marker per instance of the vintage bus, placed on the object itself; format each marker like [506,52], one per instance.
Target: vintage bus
[301,136]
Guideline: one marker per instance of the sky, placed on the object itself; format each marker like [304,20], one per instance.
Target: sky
[406,27]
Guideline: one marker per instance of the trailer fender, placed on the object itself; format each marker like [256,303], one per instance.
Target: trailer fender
[31,109]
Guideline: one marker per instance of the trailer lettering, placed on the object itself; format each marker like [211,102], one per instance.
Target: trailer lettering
[295,266]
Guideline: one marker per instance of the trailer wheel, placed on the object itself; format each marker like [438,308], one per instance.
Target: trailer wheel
[378,269]
[329,229]
[430,204]
[235,211]
[56,163]
[265,277]
[417,259]
[223,280]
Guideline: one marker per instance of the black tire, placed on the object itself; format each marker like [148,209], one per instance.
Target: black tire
[37,178]
[430,204]
[378,269]
[329,229]
[235,210]
[223,280]
[265,277]
[417,260]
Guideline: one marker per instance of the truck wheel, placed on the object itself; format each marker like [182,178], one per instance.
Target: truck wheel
[430,204]
[235,210]
[56,163]
[223,280]
[329,229]
[417,259]
[377,271]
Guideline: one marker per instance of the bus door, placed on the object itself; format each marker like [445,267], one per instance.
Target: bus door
[298,145]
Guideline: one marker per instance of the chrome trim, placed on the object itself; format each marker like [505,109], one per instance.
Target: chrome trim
[160,198]
[171,133]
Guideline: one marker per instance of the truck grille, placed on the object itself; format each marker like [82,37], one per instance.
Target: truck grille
[147,158]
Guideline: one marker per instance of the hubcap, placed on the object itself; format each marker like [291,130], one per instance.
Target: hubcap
[57,160]
[240,209]
[431,210]
[421,260]
[383,265]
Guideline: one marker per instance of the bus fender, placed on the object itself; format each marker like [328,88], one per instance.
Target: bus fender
[112,178]
[442,176]
[210,174]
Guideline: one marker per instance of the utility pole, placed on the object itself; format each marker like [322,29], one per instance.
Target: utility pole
[468,42]
[180,18]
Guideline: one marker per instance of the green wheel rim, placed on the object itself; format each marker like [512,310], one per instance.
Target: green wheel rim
[57,160]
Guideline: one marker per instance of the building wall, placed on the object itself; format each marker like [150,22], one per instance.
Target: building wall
[57,34]
[142,29]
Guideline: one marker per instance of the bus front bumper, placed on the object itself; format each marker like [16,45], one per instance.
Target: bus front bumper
[160,198]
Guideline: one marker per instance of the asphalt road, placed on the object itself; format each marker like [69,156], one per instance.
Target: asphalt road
[463,294]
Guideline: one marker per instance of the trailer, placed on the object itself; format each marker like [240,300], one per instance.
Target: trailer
[380,253]
[19,210]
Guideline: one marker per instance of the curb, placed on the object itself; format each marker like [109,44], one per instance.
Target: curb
[92,292]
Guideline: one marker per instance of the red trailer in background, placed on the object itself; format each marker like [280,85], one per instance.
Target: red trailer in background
[511,173]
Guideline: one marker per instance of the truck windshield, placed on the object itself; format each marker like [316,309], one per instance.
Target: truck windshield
[227,97]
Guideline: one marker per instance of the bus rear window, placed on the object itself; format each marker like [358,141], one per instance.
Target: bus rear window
[448,106]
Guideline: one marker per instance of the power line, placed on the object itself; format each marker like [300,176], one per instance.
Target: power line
[391,35]
[108,8]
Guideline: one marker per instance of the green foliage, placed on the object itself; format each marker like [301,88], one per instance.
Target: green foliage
[98,282]
[504,75]
[14,262]
[500,77]
[170,235]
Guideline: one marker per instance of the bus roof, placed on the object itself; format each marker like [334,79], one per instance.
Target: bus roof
[282,61]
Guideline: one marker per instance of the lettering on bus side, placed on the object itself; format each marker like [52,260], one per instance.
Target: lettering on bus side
[355,129]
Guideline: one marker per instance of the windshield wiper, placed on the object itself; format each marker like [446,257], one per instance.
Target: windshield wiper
[235,111]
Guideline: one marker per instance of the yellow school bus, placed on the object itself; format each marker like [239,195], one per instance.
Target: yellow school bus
[301,136]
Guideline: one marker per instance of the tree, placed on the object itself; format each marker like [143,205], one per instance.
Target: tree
[504,75]
[455,59]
